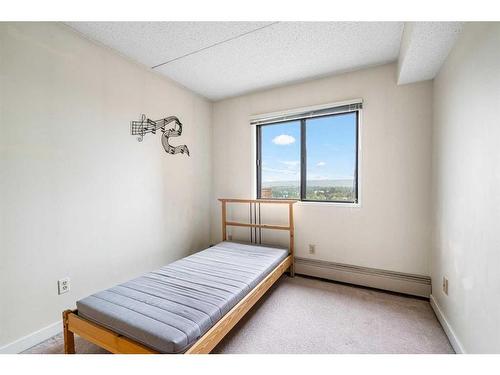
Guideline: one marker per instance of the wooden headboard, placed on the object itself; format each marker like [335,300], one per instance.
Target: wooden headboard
[254,208]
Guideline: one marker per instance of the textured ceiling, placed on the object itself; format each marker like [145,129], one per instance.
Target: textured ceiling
[284,53]
[223,59]
[153,43]
[424,48]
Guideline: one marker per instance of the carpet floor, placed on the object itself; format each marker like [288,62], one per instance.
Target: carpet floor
[303,315]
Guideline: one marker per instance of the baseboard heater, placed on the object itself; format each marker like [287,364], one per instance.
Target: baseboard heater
[416,285]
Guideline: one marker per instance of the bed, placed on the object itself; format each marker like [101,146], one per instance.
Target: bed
[187,306]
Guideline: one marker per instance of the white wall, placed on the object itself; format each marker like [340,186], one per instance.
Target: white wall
[391,230]
[466,181]
[79,196]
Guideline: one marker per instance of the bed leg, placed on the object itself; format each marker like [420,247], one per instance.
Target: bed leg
[291,270]
[69,337]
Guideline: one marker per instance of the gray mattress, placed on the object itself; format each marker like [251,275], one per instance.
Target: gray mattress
[170,309]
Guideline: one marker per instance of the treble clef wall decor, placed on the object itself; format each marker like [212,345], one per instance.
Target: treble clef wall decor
[146,125]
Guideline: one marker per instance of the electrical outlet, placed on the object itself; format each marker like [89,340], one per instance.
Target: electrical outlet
[312,249]
[445,285]
[63,285]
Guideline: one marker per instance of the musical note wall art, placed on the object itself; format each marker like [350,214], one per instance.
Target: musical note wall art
[146,125]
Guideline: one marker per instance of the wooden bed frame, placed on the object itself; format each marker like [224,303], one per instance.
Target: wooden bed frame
[116,343]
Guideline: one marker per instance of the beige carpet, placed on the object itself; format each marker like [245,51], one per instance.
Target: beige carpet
[303,315]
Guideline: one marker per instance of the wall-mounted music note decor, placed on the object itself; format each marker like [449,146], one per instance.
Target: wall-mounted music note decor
[146,125]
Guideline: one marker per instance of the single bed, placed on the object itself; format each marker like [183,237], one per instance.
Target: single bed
[187,306]
[171,308]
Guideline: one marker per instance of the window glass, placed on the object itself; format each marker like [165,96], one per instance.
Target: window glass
[322,150]
[331,158]
[280,160]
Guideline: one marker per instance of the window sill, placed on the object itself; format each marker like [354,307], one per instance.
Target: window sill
[329,204]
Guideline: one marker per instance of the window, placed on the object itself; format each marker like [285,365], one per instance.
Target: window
[311,157]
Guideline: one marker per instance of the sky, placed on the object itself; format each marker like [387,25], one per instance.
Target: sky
[331,147]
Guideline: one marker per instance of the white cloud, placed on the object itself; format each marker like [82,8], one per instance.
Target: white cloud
[291,164]
[321,164]
[280,171]
[283,139]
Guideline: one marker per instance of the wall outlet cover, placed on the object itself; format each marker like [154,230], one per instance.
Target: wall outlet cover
[63,285]
[312,249]
[445,285]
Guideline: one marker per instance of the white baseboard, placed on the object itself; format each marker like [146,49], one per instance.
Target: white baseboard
[454,341]
[32,339]
[416,285]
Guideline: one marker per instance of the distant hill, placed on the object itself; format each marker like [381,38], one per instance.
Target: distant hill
[324,183]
